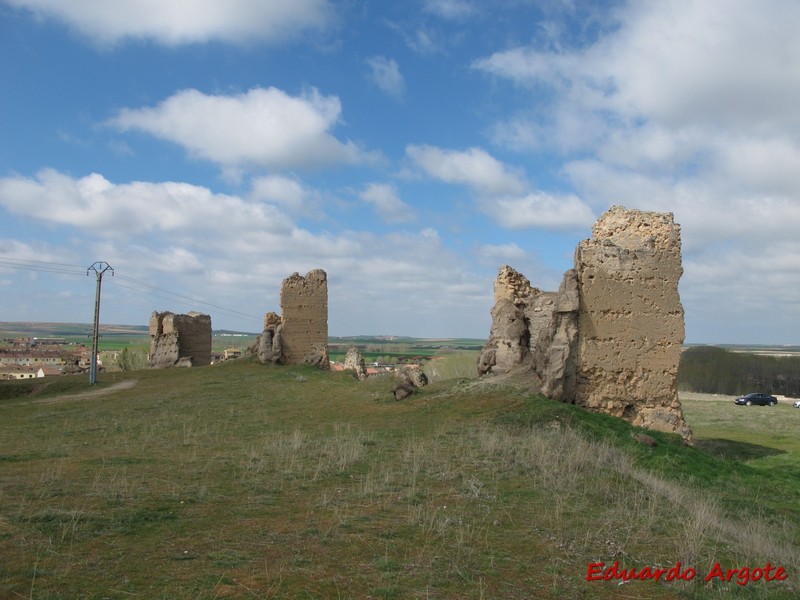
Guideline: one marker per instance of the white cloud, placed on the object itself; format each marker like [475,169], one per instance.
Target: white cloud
[690,70]
[474,168]
[538,209]
[288,193]
[387,203]
[727,62]
[687,108]
[228,252]
[93,203]
[385,74]
[263,127]
[176,22]
[517,134]
[494,254]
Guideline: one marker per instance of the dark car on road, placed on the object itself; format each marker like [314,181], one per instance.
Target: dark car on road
[762,399]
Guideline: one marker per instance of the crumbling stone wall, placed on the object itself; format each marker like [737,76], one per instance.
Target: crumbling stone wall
[180,339]
[610,339]
[300,335]
[269,342]
[519,314]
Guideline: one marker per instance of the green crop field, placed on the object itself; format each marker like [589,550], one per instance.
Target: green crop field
[250,481]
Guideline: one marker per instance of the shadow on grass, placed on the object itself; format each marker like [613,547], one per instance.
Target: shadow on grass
[732,450]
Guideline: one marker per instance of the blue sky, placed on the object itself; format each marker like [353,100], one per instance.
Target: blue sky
[206,150]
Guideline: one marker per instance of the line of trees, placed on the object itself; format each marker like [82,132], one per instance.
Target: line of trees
[713,370]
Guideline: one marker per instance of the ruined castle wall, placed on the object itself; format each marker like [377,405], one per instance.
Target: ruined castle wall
[630,321]
[175,338]
[304,314]
[610,339]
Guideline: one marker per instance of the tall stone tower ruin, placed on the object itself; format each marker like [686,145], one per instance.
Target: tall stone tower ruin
[630,322]
[610,339]
[304,313]
[300,334]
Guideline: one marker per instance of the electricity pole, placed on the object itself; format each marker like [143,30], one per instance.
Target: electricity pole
[99,268]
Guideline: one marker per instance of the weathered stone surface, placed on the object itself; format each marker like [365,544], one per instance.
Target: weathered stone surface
[354,361]
[304,309]
[410,378]
[520,314]
[413,375]
[630,322]
[268,347]
[610,339]
[509,338]
[183,340]
[554,354]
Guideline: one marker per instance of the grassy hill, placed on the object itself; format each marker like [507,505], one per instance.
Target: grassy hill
[251,481]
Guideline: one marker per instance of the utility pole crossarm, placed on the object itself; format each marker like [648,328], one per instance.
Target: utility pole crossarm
[99,268]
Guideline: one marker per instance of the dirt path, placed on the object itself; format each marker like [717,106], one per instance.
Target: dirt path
[93,393]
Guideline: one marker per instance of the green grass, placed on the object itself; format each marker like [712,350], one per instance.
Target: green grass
[251,481]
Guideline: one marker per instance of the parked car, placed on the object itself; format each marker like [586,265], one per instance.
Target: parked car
[762,399]
[796,404]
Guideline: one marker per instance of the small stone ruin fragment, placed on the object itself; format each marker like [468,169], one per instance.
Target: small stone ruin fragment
[409,379]
[179,340]
[269,342]
[354,361]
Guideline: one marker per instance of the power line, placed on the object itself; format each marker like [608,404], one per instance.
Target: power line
[143,287]
[160,292]
[40,262]
[39,265]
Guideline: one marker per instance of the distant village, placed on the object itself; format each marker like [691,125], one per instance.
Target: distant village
[29,358]
[35,357]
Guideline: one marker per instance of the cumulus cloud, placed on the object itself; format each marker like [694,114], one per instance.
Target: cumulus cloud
[682,67]
[263,127]
[286,192]
[95,204]
[232,252]
[384,199]
[539,209]
[385,74]
[185,21]
[474,168]
[686,108]
[502,192]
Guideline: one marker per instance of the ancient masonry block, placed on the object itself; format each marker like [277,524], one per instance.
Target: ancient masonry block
[180,339]
[610,339]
